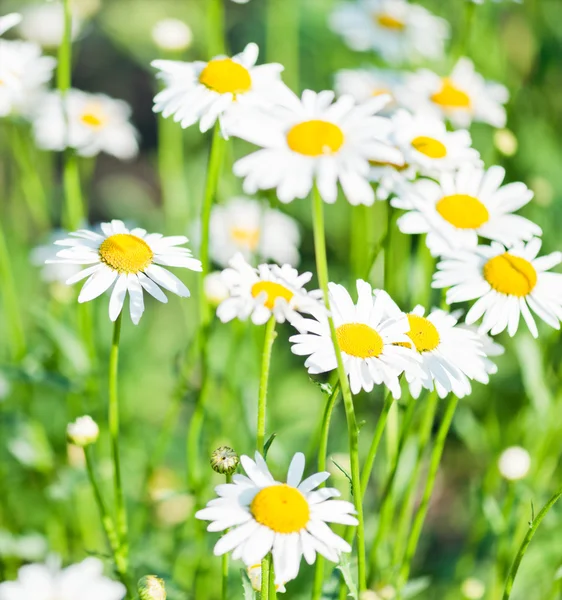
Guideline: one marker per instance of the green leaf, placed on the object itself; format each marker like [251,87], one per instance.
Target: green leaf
[325,388]
[345,568]
[268,444]
[346,474]
[249,593]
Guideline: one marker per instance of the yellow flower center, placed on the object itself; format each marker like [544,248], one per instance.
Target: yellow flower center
[510,275]
[380,92]
[126,253]
[315,138]
[358,339]
[423,334]
[282,508]
[93,116]
[389,22]
[463,211]
[450,96]
[273,290]
[429,146]
[225,76]
[248,238]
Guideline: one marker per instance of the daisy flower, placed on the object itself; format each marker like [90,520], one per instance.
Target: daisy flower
[364,84]
[390,177]
[253,229]
[395,29]
[24,71]
[375,347]
[266,291]
[316,140]
[172,35]
[130,262]
[9,21]
[287,519]
[462,206]
[89,123]
[206,91]
[506,283]
[462,97]
[83,580]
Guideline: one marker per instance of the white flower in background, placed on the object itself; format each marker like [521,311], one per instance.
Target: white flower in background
[364,84]
[172,35]
[462,97]
[255,230]
[83,580]
[254,575]
[151,587]
[463,206]
[216,290]
[83,432]
[395,29]
[390,177]
[375,347]
[427,145]
[44,24]
[288,519]
[315,140]
[89,123]
[514,463]
[241,1]
[473,589]
[24,72]
[482,2]
[129,259]
[9,21]
[490,347]
[266,291]
[505,284]
[207,91]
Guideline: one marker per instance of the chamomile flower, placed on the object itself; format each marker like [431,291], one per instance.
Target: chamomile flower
[253,229]
[24,71]
[128,261]
[364,84]
[464,205]
[266,291]
[206,91]
[316,140]
[506,283]
[287,519]
[375,347]
[390,177]
[89,123]
[9,21]
[462,97]
[397,30]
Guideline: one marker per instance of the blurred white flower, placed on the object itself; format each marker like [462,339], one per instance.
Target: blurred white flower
[462,97]
[390,177]
[89,123]
[473,589]
[151,587]
[255,230]
[506,142]
[216,290]
[9,21]
[397,30]
[172,35]
[44,24]
[84,580]
[83,432]
[364,84]
[514,463]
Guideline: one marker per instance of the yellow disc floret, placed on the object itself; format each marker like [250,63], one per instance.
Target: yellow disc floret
[223,75]
[423,333]
[510,275]
[126,253]
[360,340]
[273,290]
[315,138]
[450,96]
[282,508]
[463,211]
[429,146]
[389,22]
[93,116]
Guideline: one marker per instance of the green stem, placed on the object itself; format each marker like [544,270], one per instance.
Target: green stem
[272,590]
[270,336]
[216,34]
[468,22]
[434,463]
[64,64]
[224,565]
[322,268]
[265,579]
[120,508]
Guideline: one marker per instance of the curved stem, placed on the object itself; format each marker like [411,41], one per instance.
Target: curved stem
[224,566]
[322,268]
[270,336]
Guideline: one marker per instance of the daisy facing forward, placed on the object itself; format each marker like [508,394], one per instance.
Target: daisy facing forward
[205,91]
[397,30]
[316,141]
[375,347]
[505,284]
[96,123]
[130,262]
[469,203]
[287,519]
[266,291]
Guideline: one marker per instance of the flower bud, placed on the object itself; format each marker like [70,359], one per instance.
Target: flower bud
[514,463]
[224,460]
[83,432]
[172,35]
[254,575]
[151,587]
[473,589]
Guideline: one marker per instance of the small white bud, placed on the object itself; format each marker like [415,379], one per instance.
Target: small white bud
[473,589]
[172,34]
[83,432]
[215,288]
[514,463]
[506,142]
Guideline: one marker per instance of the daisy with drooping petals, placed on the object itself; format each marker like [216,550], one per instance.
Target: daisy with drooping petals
[9,21]
[469,203]
[364,84]
[89,123]
[253,229]
[375,347]
[266,291]
[206,91]
[287,519]
[397,30]
[462,97]
[315,141]
[130,262]
[505,284]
